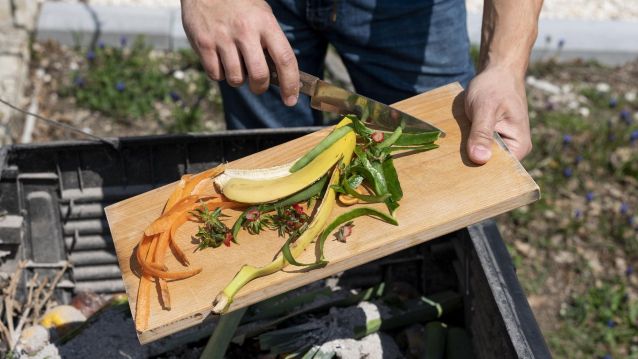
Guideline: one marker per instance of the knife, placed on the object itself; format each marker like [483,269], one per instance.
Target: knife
[327,97]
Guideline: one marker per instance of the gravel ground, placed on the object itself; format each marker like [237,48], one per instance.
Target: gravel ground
[552,9]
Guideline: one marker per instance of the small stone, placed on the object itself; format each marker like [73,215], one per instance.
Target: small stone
[39,73]
[556,240]
[179,75]
[602,87]
[592,260]
[564,257]
[567,88]
[621,264]
[543,85]
[524,248]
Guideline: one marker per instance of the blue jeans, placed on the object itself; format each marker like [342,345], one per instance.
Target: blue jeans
[393,49]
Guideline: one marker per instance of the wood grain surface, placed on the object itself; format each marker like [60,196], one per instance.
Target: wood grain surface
[443,191]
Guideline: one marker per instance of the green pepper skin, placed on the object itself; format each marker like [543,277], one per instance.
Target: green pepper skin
[392,179]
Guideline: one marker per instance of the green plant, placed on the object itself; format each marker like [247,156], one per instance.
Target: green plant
[599,320]
[123,83]
[131,82]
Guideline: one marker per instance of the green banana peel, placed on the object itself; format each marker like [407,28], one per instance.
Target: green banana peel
[247,273]
[266,190]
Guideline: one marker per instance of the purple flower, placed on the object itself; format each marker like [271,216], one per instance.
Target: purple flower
[578,213]
[589,196]
[625,116]
[629,271]
[578,159]
[613,102]
[90,55]
[123,41]
[611,323]
[568,172]
[567,139]
[607,356]
[175,96]
[624,208]
[634,136]
[79,81]
[100,44]
[561,43]
[120,86]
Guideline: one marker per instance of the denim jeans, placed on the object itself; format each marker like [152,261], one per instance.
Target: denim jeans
[392,49]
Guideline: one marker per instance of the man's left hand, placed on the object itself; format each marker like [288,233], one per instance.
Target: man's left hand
[495,101]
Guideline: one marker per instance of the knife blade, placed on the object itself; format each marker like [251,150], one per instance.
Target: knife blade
[327,97]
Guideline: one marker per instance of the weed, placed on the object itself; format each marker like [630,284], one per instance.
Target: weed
[599,322]
[131,82]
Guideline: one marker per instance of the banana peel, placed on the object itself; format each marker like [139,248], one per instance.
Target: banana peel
[271,184]
[247,273]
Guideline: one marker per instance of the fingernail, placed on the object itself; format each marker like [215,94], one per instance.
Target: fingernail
[291,100]
[481,153]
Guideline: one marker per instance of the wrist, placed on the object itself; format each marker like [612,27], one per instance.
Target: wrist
[509,68]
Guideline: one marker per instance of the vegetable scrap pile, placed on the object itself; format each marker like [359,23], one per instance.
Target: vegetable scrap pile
[351,165]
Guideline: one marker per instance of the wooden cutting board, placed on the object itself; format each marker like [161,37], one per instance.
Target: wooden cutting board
[443,191]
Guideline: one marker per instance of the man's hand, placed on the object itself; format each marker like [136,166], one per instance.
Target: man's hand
[495,101]
[230,37]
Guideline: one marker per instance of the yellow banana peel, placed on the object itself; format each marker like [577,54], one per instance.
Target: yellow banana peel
[248,272]
[268,185]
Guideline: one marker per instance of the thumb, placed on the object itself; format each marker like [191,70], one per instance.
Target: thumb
[479,144]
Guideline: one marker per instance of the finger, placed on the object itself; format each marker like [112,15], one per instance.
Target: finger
[255,61]
[516,137]
[286,64]
[519,150]
[479,144]
[212,65]
[231,62]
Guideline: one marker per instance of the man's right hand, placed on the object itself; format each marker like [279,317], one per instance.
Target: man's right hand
[230,37]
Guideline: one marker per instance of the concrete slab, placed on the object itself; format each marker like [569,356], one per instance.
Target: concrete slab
[24,12]
[609,42]
[6,14]
[178,36]
[13,75]
[81,24]
[14,41]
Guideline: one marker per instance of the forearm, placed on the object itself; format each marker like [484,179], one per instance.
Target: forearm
[509,31]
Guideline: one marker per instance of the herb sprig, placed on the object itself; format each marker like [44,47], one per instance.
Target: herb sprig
[213,232]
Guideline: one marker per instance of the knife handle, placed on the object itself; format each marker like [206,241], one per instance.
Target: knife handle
[307,82]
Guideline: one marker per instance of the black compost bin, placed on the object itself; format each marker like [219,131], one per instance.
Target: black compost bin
[52,199]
